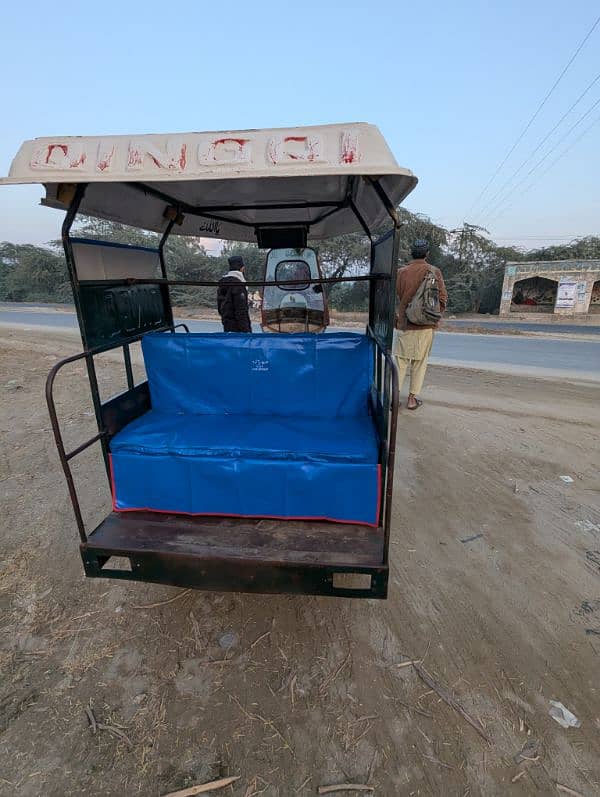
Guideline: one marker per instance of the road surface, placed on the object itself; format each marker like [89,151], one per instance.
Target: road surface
[524,326]
[539,356]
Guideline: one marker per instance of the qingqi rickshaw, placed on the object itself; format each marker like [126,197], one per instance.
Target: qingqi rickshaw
[246,462]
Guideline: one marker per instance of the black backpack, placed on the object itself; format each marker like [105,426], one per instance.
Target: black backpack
[424,307]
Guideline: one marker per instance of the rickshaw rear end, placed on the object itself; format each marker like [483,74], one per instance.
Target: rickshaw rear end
[259,463]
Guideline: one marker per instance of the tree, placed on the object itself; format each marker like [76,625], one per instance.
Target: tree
[186,257]
[587,248]
[416,226]
[472,264]
[103,230]
[32,273]
[474,270]
[344,256]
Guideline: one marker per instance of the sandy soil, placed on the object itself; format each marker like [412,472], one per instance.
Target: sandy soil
[495,584]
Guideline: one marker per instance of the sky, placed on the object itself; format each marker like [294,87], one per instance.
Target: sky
[450,85]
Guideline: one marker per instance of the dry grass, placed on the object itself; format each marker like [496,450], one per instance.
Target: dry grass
[14,572]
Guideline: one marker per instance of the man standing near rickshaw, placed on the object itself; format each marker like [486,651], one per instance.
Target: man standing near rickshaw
[232,298]
[422,299]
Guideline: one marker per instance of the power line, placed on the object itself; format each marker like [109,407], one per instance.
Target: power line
[541,237]
[570,147]
[539,146]
[551,166]
[534,168]
[534,117]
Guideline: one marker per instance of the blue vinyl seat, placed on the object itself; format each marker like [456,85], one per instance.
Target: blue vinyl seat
[268,437]
[253,425]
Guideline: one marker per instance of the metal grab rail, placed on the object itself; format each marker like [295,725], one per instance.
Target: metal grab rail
[392,374]
[386,385]
[65,456]
[385,382]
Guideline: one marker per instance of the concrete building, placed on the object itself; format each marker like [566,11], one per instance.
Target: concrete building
[564,287]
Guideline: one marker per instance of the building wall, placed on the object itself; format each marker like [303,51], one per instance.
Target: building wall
[583,272]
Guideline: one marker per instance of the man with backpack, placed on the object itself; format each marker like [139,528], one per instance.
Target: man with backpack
[232,298]
[422,299]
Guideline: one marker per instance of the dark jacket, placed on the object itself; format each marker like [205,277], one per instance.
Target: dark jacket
[232,303]
[407,284]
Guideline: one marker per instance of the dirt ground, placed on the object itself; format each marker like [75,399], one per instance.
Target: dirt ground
[495,586]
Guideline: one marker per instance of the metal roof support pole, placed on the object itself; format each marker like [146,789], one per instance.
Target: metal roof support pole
[361,220]
[89,360]
[70,257]
[352,184]
[386,201]
[163,268]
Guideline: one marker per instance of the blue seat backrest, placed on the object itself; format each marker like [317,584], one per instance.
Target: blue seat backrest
[327,375]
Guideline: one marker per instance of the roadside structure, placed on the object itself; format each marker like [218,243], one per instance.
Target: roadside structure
[562,287]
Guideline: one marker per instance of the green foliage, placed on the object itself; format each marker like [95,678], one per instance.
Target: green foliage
[472,264]
[415,226]
[32,274]
[102,230]
[583,248]
[345,256]
[474,269]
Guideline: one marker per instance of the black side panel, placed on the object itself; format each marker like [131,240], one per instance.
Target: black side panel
[382,305]
[114,313]
[124,408]
[234,575]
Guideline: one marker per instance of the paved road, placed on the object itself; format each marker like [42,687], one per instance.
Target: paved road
[488,322]
[519,355]
[501,353]
[524,326]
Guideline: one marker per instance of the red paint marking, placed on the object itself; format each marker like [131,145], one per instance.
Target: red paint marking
[378,492]
[104,163]
[79,162]
[159,165]
[134,157]
[349,152]
[52,147]
[239,141]
[310,156]
[256,517]
[113,489]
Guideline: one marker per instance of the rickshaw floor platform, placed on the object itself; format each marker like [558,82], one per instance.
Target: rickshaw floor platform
[239,555]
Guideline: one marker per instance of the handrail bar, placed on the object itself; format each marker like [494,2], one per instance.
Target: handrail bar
[64,459]
[248,283]
[392,371]
[85,445]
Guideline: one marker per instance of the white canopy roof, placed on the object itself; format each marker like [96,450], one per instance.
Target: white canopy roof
[224,183]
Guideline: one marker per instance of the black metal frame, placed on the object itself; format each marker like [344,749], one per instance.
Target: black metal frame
[187,569]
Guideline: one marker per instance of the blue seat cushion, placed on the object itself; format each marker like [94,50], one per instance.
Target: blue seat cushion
[253,426]
[349,439]
[245,487]
[326,376]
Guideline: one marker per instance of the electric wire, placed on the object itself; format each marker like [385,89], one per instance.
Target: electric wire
[550,167]
[535,115]
[491,201]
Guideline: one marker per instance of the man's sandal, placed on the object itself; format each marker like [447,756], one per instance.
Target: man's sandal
[417,405]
